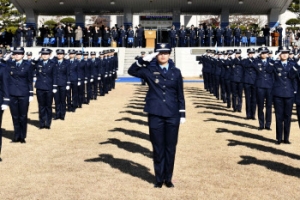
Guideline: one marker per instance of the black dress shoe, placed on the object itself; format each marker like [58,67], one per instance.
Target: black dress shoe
[15,140]
[260,128]
[169,184]
[268,128]
[239,111]
[55,118]
[278,142]
[47,127]
[158,185]
[0,159]
[62,118]
[286,142]
[253,118]
[22,141]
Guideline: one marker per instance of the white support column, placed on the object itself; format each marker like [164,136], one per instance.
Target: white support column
[31,18]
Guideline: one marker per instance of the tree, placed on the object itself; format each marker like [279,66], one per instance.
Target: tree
[10,18]
[68,20]
[293,22]
[294,7]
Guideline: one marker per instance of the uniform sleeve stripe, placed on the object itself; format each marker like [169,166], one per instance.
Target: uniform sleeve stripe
[31,91]
[6,99]
[138,64]
[181,110]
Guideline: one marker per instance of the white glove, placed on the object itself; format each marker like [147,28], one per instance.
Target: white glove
[150,57]
[298,64]
[78,83]
[30,98]
[99,78]
[105,76]
[233,56]
[182,120]
[54,90]
[67,87]
[110,75]
[34,79]
[7,57]
[85,82]
[4,107]
[92,80]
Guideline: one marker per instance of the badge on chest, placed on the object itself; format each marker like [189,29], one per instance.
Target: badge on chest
[156,74]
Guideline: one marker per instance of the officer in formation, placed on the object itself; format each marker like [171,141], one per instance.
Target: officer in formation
[265,80]
[58,77]
[165,106]
[143,53]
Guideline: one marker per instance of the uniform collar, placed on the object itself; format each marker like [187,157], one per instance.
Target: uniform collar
[167,67]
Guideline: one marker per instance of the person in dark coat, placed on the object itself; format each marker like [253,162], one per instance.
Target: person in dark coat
[165,106]
[21,93]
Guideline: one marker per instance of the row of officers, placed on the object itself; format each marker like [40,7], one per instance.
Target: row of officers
[207,36]
[70,81]
[265,80]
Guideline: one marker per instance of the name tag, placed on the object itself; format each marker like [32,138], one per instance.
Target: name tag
[156,73]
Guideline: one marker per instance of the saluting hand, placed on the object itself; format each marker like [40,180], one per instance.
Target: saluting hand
[149,57]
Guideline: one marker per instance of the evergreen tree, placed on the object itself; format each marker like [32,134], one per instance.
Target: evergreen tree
[10,18]
[294,7]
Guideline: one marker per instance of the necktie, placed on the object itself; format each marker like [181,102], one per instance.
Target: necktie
[17,64]
[45,63]
[59,63]
[164,70]
[284,65]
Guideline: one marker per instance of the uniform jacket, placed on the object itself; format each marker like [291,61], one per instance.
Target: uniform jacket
[45,75]
[81,69]
[172,33]
[4,91]
[264,78]
[249,72]
[237,71]
[227,65]
[63,71]
[283,79]
[20,79]
[73,75]
[165,96]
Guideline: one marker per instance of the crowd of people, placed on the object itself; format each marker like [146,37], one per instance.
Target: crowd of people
[70,78]
[264,77]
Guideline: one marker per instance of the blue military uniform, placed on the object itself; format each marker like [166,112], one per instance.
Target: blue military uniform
[283,95]
[102,75]
[227,78]
[249,85]
[182,34]
[72,94]
[4,96]
[193,36]
[45,83]
[264,84]
[140,36]
[237,36]
[165,106]
[200,35]
[227,36]
[172,36]
[208,36]
[218,36]
[63,84]
[94,75]
[81,73]
[87,81]
[130,37]
[20,89]
[237,73]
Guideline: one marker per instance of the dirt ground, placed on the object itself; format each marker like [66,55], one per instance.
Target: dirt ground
[102,151]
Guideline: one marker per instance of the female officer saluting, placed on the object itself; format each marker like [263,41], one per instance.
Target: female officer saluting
[165,106]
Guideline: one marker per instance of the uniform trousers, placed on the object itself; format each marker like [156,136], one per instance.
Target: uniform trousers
[223,91]
[283,113]
[228,92]
[19,111]
[173,42]
[237,95]
[72,96]
[113,83]
[102,86]
[45,98]
[201,41]
[81,93]
[94,88]
[250,97]
[217,86]
[205,79]
[164,137]
[212,83]
[228,41]
[60,102]
[264,96]
[237,41]
[88,92]
[298,114]
[139,41]
[181,42]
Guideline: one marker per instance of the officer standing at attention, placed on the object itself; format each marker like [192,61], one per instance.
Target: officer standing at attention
[72,94]
[21,93]
[264,84]
[227,36]
[172,36]
[87,80]
[165,106]
[193,36]
[249,84]
[140,36]
[200,35]
[101,75]
[218,35]
[182,35]
[63,84]
[284,72]
[94,75]
[237,36]
[237,73]
[4,97]
[45,87]
[81,72]
[209,36]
